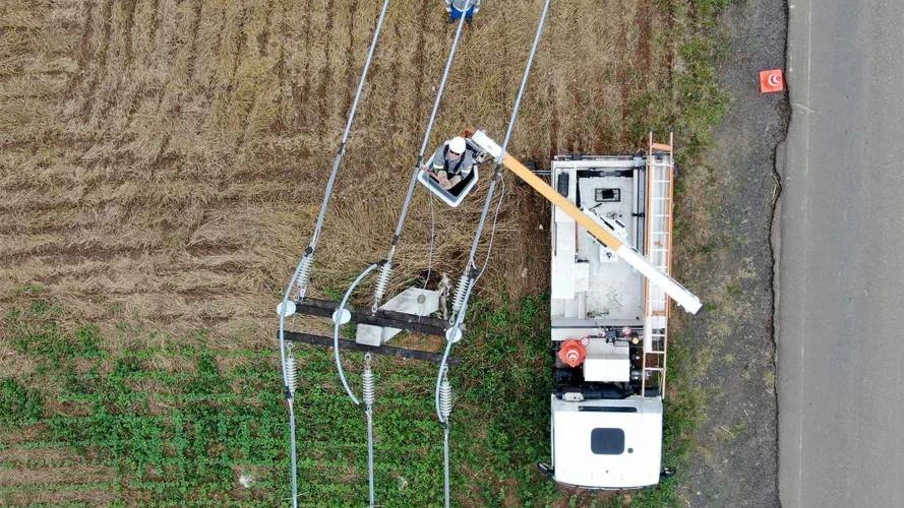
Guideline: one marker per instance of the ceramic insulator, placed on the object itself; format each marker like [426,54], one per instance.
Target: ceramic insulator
[460,292]
[445,399]
[291,368]
[383,282]
[369,382]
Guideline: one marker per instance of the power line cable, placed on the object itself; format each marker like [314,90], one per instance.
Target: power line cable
[453,334]
[302,271]
[386,274]
[467,279]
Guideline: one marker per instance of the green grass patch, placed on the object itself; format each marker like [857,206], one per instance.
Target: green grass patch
[36,331]
[19,405]
[186,437]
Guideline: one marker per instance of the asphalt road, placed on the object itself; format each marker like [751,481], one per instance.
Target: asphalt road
[841,269]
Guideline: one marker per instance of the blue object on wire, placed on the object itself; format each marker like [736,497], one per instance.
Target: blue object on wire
[459,8]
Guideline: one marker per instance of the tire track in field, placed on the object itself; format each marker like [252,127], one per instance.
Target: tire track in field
[236,63]
[419,62]
[303,93]
[395,72]
[644,22]
[624,73]
[263,39]
[134,103]
[546,72]
[554,125]
[505,68]
[82,55]
[77,252]
[245,124]
[234,78]
[128,8]
[326,75]
[218,44]
[155,22]
[275,28]
[350,56]
[149,59]
[547,117]
[50,225]
[162,150]
[195,28]
[281,127]
[574,98]
[102,57]
[575,143]
[670,53]
[145,62]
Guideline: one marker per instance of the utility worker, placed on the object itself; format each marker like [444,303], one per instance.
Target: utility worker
[459,8]
[451,163]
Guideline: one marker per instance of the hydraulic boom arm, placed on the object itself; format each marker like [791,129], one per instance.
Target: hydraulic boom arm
[676,291]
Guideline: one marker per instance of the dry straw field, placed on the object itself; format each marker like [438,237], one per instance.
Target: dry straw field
[162,161]
[161,166]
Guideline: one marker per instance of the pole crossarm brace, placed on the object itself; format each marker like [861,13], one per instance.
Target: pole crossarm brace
[386,318]
[350,345]
[629,254]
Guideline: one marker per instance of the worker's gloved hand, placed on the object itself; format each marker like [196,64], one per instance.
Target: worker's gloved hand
[443,180]
[454,181]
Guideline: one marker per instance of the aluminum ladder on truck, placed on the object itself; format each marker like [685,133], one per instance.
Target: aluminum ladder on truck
[658,250]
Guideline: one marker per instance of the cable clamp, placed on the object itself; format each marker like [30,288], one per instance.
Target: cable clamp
[453,334]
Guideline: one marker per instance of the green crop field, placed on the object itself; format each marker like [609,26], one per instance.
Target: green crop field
[175,425]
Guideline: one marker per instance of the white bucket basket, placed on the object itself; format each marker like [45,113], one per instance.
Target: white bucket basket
[453,200]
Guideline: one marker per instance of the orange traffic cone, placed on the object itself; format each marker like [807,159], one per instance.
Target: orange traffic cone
[573,352]
[772,81]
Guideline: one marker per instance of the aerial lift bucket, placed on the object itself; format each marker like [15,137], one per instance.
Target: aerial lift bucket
[456,195]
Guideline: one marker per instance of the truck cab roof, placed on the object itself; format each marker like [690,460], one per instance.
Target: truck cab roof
[607,444]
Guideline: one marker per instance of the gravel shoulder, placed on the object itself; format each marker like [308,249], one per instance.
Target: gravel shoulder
[730,259]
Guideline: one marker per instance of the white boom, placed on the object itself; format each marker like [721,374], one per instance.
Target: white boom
[629,254]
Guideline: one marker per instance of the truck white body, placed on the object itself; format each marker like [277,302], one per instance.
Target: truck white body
[606,411]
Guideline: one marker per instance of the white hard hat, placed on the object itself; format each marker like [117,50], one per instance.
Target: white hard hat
[457,144]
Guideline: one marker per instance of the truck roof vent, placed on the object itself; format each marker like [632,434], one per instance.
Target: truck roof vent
[608,409]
